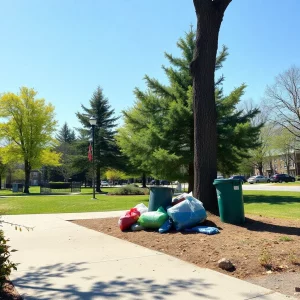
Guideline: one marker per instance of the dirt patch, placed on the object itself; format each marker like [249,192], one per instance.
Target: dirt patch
[259,248]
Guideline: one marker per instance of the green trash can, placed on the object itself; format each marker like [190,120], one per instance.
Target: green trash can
[230,200]
[160,196]
[15,187]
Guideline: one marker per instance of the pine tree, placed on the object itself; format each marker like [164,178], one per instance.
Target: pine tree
[66,147]
[65,134]
[158,132]
[106,151]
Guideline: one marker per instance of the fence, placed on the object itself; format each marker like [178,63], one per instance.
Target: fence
[60,187]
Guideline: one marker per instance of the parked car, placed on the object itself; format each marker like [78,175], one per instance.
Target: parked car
[282,178]
[258,179]
[104,183]
[241,178]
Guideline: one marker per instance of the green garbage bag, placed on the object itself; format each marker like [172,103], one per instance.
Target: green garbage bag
[153,219]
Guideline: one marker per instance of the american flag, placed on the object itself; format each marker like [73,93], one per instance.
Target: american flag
[90,153]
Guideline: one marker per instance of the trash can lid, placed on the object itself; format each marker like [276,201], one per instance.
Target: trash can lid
[226,181]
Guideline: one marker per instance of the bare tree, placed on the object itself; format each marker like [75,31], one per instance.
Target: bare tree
[262,117]
[209,18]
[283,100]
[284,143]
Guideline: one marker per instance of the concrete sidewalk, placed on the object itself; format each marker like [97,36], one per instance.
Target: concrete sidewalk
[61,260]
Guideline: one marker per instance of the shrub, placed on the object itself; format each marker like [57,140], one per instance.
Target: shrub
[265,259]
[285,239]
[134,185]
[130,190]
[6,266]
[298,177]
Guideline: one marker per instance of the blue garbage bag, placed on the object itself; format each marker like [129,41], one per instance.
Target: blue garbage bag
[165,227]
[203,229]
[187,213]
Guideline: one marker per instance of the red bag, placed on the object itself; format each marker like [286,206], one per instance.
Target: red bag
[129,218]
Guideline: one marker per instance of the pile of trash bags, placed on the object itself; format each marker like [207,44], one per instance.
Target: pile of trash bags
[184,214]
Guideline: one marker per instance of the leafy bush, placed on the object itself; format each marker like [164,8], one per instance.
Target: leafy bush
[130,190]
[134,184]
[298,177]
[6,266]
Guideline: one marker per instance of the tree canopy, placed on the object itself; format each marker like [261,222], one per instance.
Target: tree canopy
[66,134]
[27,128]
[158,131]
[283,100]
[106,151]
[67,148]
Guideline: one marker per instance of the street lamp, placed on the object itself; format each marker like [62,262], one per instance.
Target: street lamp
[93,122]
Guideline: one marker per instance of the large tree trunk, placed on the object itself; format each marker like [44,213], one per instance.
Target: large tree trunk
[27,176]
[209,18]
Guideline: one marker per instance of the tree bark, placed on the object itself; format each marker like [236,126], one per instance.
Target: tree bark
[260,169]
[27,176]
[271,167]
[144,180]
[209,18]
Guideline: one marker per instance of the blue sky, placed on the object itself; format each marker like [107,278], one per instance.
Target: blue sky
[65,49]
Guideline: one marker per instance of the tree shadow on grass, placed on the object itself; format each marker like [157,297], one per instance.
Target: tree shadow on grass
[260,226]
[272,199]
[39,284]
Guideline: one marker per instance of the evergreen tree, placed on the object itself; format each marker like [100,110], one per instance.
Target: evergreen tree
[66,147]
[106,151]
[158,132]
[65,134]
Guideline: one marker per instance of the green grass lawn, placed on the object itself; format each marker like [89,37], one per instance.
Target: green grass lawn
[273,204]
[35,190]
[67,204]
[266,203]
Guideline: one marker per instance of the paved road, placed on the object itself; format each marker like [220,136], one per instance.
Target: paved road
[271,187]
[61,260]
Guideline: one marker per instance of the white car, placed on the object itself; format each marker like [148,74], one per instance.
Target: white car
[258,179]
[104,183]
